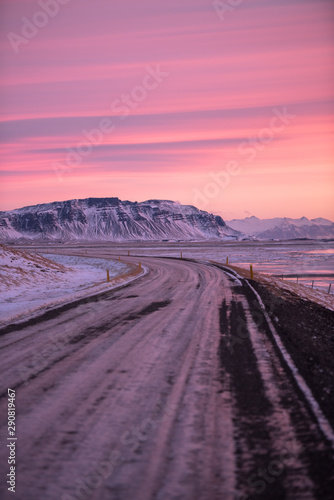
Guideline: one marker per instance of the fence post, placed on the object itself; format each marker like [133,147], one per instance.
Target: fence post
[227,261]
[181,255]
[108,277]
[251,272]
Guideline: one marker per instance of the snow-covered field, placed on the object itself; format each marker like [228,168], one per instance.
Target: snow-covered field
[285,257]
[299,257]
[31,282]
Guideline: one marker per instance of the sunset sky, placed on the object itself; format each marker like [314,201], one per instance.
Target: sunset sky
[224,105]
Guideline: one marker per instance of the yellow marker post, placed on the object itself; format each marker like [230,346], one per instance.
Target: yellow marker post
[227,261]
[108,277]
[251,272]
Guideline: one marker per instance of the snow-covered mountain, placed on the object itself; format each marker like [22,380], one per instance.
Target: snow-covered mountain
[284,228]
[110,219]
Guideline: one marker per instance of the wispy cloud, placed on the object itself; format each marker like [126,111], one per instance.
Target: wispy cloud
[225,78]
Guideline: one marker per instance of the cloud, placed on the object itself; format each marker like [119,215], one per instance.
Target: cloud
[225,79]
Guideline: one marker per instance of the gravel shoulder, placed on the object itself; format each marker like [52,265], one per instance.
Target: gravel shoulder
[307,331]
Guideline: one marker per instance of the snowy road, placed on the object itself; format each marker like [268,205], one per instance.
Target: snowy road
[168,388]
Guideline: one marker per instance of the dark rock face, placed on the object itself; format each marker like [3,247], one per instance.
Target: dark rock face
[27,223]
[220,221]
[112,219]
[102,202]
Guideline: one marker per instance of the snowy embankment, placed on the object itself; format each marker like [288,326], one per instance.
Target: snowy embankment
[31,283]
[320,297]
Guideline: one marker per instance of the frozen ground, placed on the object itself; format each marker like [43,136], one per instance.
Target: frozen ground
[33,282]
[266,257]
[310,256]
[170,388]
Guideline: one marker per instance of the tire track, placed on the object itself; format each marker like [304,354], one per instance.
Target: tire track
[146,374]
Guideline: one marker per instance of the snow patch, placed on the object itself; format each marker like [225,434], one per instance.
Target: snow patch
[31,283]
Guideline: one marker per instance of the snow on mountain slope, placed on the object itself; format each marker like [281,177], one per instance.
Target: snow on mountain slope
[284,228]
[322,222]
[253,225]
[111,219]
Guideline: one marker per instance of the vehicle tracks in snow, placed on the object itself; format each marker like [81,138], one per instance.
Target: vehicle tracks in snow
[138,394]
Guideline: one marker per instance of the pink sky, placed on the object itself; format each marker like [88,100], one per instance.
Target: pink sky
[224,83]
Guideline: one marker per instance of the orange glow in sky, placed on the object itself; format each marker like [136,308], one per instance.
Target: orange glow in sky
[147,99]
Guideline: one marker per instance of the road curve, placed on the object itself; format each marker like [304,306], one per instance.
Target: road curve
[168,388]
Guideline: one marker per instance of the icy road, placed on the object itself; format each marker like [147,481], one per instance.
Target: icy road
[172,387]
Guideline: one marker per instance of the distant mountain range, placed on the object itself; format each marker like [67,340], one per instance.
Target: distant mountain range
[283,228]
[110,219]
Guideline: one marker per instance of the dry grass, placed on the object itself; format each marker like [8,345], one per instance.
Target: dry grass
[17,266]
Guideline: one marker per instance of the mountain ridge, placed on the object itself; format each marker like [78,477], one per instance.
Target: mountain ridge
[283,228]
[111,219]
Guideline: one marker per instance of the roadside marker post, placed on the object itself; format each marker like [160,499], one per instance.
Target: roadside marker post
[329,288]
[119,259]
[128,252]
[108,277]
[227,261]
[312,283]
[251,272]
[139,265]
[181,255]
